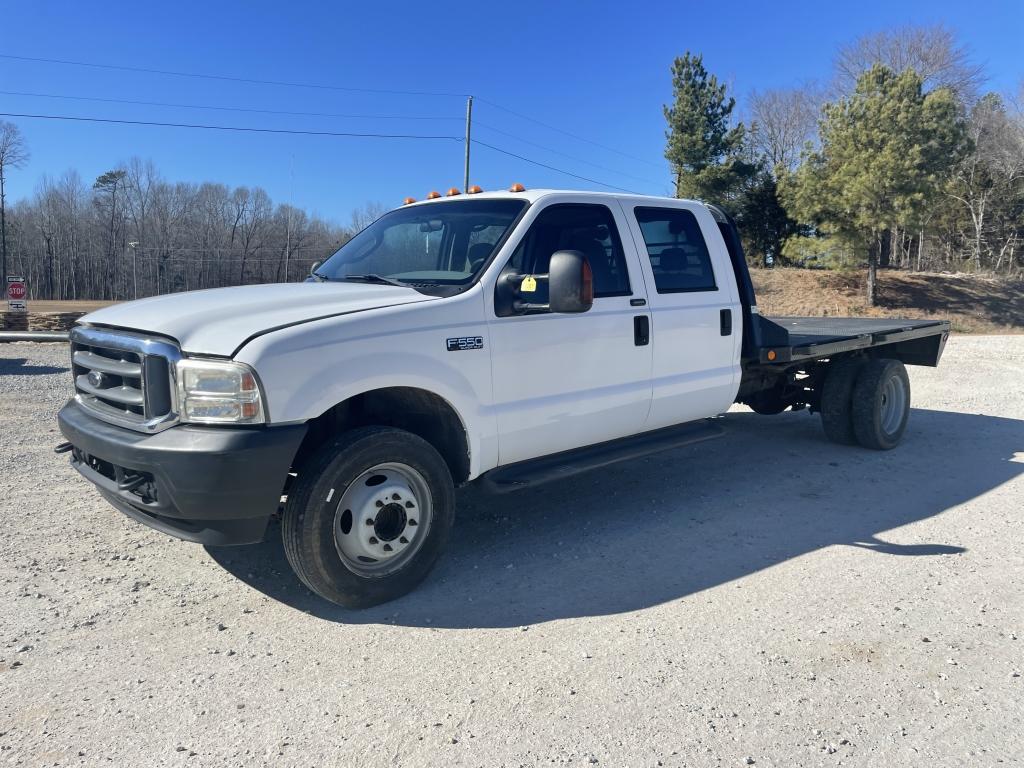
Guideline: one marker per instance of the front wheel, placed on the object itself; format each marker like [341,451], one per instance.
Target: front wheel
[368,516]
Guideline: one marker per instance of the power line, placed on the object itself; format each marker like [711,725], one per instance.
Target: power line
[227,78]
[248,129]
[225,109]
[322,86]
[243,129]
[551,167]
[318,114]
[566,133]
[562,154]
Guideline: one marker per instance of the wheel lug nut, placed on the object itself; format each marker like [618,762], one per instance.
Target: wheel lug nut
[395,496]
[379,503]
[409,505]
[370,521]
[373,540]
[387,547]
[413,522]
[403,540]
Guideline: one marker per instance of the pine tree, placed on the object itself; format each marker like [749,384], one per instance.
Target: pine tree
[884,154]
[702,149]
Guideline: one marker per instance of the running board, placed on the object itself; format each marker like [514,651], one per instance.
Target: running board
[558,466]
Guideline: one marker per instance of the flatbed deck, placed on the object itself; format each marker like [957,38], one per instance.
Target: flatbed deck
[791,339]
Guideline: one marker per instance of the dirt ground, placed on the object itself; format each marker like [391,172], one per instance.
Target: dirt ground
[766,599]
[46,306]
[972,303]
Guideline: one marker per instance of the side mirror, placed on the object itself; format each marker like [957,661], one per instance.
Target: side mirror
[316,264]
[570,282]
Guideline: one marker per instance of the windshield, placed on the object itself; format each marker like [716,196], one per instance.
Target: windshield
[440,246]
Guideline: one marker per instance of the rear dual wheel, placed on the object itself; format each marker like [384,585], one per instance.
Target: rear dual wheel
[866,402]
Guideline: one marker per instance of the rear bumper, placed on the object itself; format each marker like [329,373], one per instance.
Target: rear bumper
[210,485]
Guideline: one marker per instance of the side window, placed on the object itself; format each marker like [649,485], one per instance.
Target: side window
[679,256]
[575,227]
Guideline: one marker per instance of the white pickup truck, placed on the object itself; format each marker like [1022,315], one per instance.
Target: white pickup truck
[508,338]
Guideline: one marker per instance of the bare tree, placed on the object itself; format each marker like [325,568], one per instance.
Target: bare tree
[782,121]
[991,179]
[78,241]
[931,51]
[13,154]
[365,216]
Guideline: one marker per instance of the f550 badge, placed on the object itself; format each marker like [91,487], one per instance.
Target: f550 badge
[465,342]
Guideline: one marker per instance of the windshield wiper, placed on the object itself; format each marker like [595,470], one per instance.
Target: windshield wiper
[371,278]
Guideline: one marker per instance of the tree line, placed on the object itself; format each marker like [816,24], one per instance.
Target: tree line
[902,160]
[132,233]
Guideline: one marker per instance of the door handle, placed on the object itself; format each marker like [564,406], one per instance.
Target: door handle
[641,330]
[725,322]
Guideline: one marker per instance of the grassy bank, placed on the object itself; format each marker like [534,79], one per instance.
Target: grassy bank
[973,304]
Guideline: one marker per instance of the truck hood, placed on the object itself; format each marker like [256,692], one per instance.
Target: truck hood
[220,320]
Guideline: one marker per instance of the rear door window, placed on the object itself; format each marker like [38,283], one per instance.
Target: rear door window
[679,256]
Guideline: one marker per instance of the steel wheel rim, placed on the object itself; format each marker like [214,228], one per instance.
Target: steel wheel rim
[894,402]
[382,519]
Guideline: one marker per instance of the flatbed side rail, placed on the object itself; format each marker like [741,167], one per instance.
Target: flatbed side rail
[909,339]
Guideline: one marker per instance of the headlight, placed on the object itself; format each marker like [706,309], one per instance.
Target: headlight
[218,392]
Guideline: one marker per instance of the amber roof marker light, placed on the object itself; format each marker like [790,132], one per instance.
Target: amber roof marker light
[453,192]
[433,195]
[408,201]
[517,187]
[474,190]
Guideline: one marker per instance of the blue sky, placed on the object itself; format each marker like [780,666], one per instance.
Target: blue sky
[598,70]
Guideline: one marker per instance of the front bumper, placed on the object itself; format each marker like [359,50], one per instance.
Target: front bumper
[211,485]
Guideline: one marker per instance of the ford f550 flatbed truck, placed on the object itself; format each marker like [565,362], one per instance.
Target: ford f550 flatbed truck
[507,338]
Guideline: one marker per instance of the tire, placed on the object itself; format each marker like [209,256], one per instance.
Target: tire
[399,507]
[837,400]
[881,404]
[767,404]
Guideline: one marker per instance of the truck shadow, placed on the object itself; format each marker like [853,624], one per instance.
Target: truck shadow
[661,528]
[19,366]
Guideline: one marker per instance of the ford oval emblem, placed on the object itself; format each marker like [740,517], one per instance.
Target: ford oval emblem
[97,379]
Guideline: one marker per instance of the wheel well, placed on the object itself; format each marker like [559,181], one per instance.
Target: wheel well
[416,410]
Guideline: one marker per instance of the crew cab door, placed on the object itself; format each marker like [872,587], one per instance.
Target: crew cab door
[563,381]
[696,318]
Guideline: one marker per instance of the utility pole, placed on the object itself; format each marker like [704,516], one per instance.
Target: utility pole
[288,225]
[135,269]
[469,127]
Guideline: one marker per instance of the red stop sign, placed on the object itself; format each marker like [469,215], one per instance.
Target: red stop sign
[16,291]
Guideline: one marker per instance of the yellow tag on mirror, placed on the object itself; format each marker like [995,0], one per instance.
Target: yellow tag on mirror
[529,284]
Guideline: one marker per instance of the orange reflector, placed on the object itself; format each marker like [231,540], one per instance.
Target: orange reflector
[453,192]
[433,195]
[517,187]
[771,354]
[474,190]
[408,200]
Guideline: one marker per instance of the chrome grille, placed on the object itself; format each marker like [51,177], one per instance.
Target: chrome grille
[125,378]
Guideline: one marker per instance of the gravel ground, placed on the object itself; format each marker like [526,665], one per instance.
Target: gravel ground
[767,599]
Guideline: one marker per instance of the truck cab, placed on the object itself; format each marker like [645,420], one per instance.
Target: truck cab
[503,337]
